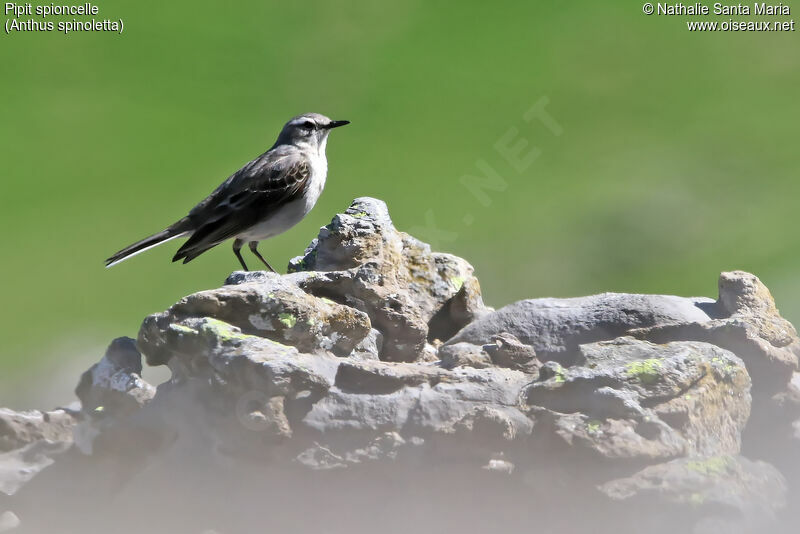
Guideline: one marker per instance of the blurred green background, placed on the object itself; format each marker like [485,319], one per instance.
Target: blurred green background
[678,157]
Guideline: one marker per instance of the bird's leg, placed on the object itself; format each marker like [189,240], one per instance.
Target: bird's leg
[254,248]
[237,245]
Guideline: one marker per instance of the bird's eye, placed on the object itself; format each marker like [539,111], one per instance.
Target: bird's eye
[308,125]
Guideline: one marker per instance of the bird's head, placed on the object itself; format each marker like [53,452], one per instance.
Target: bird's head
[309,131]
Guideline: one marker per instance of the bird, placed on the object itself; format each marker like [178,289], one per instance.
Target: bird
[266,197]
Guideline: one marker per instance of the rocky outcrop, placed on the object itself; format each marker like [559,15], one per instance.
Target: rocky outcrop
[373,373]
[635,400]
[29,442]
[410,293]
[18,429]
[745,495]
[115,384]
[556,328]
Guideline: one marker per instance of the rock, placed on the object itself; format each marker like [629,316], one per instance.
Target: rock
[19,429]
[464,355]
[243,277]
[265,416]
[507,351]
[114,384]
[771,367]
[370,347]
[633,399]
[18,467]
[383,448]
[375,360]
[747,323]
[500,466]
[29,442]
[402,397]
[410,293]
[219,353]
[717,493]
[742,294]
[274,308]
[381,377]
[361,286]
[555,328]
[791,395]
[8,521]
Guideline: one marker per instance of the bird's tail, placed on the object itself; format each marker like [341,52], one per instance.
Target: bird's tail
[179,229]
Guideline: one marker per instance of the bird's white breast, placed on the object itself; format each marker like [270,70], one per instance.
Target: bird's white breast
[319,173]
[292,212]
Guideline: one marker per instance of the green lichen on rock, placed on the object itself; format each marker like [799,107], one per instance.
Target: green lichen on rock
[360,214]
[560,375]
[221,330]
[287,319]
[696,499]
[457,282]
[182,328]
[645,371]
[593,426]
[724,367]
[712,467]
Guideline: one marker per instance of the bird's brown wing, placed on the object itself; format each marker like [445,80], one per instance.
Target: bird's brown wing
[253,193]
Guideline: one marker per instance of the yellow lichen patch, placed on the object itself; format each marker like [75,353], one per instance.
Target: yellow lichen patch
[221,330]
[696,499]
[457,282]
[182,329]
[714,466]
[645,371]
[593,426]
[287,319]
[560,375]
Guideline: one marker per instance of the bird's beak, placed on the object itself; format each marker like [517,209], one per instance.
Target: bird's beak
[336,124]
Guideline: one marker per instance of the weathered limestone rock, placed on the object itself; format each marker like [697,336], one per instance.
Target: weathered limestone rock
[218,352]
[555,328]
[18,429]
[507,351]
[273,308]
[410,293]
[729,493]
[633,399]
[115,383]
[359,275]
[8,521]
[29,442]
[374,374]
[747,323]
[464,354]
[391,396]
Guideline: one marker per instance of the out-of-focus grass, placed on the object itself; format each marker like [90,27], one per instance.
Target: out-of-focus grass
[678,157]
